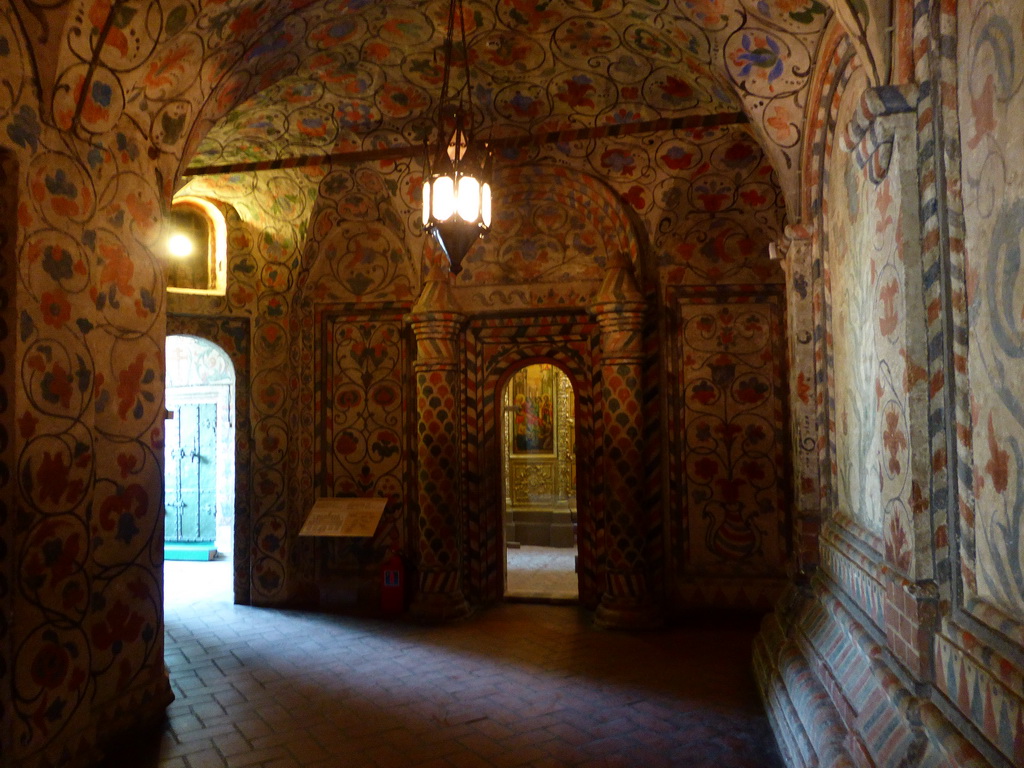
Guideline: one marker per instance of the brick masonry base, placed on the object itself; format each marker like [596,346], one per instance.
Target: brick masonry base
[836,694]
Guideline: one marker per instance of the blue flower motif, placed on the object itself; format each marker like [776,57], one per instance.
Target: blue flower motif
[60,185]
[101,93]
[24,129]
[761,52]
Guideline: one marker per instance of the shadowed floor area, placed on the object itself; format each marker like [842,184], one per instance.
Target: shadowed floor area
[514,685]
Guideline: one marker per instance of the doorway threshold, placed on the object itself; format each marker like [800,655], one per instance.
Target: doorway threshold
[190,550]
[543,599]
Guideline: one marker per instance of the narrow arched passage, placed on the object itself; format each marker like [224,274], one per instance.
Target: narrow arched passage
[199,462]
[539,484]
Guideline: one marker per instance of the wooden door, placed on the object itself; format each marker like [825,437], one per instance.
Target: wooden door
[190,495]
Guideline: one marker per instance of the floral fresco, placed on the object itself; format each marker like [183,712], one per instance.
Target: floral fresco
[360,246]
[306,87]
[992,80]
[673,140]
[732,469]
[88,629]
[914,325]
[362,428]
[852,233]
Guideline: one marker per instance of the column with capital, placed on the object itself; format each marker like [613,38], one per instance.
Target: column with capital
[619,310]
[437,326]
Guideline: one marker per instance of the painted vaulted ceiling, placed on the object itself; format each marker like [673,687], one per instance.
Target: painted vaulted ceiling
[689,113]
[354,74]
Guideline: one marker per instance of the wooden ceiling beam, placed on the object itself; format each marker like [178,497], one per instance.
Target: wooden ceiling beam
[686,123]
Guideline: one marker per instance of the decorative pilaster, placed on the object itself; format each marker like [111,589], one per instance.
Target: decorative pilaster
[437,323]
[806,387]
[619,310]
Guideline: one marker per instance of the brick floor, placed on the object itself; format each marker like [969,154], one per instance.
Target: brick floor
[514,685]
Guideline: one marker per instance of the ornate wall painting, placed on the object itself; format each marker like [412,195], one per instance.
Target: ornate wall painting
[361,244]
[708,215]
[8,494]
[728,440]
[361,426]
[714,209]
[157,69]
[89,433]
[901,381]
[992,101]
[852,228]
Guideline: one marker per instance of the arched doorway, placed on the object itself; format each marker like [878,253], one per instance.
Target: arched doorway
[539,484]
[199,470]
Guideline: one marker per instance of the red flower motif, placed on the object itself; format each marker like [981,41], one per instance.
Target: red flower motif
[704,393]
[377,52]
[50,666]
[401,102]
[894,440]
[122,625]
[27,425]
[118,268]
[165,71]
[57,385]
[577,92]
[345,444]
[635,197]
[117,510]
[753,198]
[739,154]
[620,161]
[129,385]
[52,556]
[676,89]
[55,308]
[247,20]
[890,316]
[803,389]
[52,477]
[896,544]
[385,396]
[713,201]
[126,463]
[706,468]
[998,466]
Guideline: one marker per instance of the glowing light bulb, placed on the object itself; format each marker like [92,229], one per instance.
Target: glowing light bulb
[444,198]
[468,198]
[180,245]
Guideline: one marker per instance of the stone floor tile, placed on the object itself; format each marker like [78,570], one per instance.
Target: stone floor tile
[257,757]
[208,758]
[514,685]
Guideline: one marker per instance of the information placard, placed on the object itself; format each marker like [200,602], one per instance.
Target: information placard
[344,517]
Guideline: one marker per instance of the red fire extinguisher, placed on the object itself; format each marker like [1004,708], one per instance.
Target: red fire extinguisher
[392,586]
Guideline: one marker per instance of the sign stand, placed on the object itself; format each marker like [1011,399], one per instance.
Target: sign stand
[352,517]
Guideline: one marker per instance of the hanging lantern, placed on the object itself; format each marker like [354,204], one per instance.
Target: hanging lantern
[456,186]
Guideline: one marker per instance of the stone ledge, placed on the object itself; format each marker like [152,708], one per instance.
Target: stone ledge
[834,700]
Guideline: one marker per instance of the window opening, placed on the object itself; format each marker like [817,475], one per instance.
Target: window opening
[195,247]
